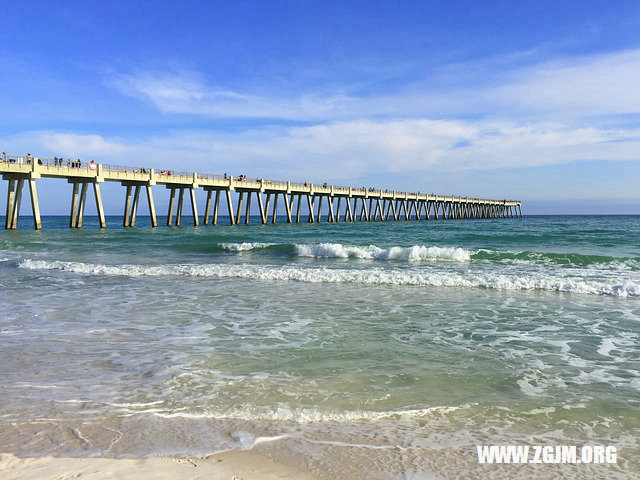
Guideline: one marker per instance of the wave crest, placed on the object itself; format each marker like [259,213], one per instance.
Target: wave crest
[416,253]
[369,276]
[244,246]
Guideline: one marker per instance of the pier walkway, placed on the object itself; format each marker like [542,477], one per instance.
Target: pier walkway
[343,203]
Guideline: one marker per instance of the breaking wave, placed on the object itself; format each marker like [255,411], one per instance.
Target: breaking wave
[423,253]
[415,253]
[244,246]
[370,276]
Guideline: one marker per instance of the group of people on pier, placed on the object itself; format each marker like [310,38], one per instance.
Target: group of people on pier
[59,162]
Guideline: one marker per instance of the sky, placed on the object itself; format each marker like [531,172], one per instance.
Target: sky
[531,100]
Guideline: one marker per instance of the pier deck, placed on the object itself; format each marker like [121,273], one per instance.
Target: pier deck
[360,204]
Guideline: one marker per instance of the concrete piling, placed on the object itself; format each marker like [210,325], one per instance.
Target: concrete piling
[360,204]
[99,207]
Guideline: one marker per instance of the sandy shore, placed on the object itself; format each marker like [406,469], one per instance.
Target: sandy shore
[236,465]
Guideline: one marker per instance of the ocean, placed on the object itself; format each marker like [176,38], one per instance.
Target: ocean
[381,350]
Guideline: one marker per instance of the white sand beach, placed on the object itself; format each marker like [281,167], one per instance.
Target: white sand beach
[237,465]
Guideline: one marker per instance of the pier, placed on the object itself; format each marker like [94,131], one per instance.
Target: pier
[343,204]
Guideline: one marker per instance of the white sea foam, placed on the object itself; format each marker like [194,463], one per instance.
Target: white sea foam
[246,441]
[336,443]
[530,385]
[538,411]
[308,415]
[606,346]
[599,375]
[244,246]
[416,253]
[369,276]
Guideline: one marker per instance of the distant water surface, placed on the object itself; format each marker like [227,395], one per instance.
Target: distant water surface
[365,346]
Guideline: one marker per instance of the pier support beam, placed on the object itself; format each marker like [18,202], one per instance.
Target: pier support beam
[83,200]
[364,213]
[311,214]
[11,196]
[152,207]
[99,207]
[194,206]
[216,205]
[287,207]
[172,200]
[14,200]
[263,215]
[319,214]
[349,211]
[332,217]
[378,211]
[396,213]
[275,207]
[247,212]
[232,219]
[74,206]
[298,208]
[239,206]
[134,207]
[16,205]
[291,199]
[35,206]
[207,207]
[127,205]
[180,203]
[267,207]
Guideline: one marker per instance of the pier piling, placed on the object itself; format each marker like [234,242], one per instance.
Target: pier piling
[361,204]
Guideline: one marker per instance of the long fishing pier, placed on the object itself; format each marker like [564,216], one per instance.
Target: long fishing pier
[353,204]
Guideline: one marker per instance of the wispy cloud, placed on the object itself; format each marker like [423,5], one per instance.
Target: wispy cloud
[73,145]
[603,84]
[541,115]
[186,93]
[352,149]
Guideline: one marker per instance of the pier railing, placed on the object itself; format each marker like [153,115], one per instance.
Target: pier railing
[373,203]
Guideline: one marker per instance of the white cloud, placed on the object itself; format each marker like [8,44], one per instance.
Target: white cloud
[73,145]
[601,84]
[604,84]
[185,93]
[341,151]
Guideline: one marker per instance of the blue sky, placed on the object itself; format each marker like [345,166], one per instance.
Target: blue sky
[538,101]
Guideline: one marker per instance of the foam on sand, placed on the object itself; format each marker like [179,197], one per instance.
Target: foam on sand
[309,415]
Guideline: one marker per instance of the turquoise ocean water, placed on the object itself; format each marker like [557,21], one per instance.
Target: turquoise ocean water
[388,350]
